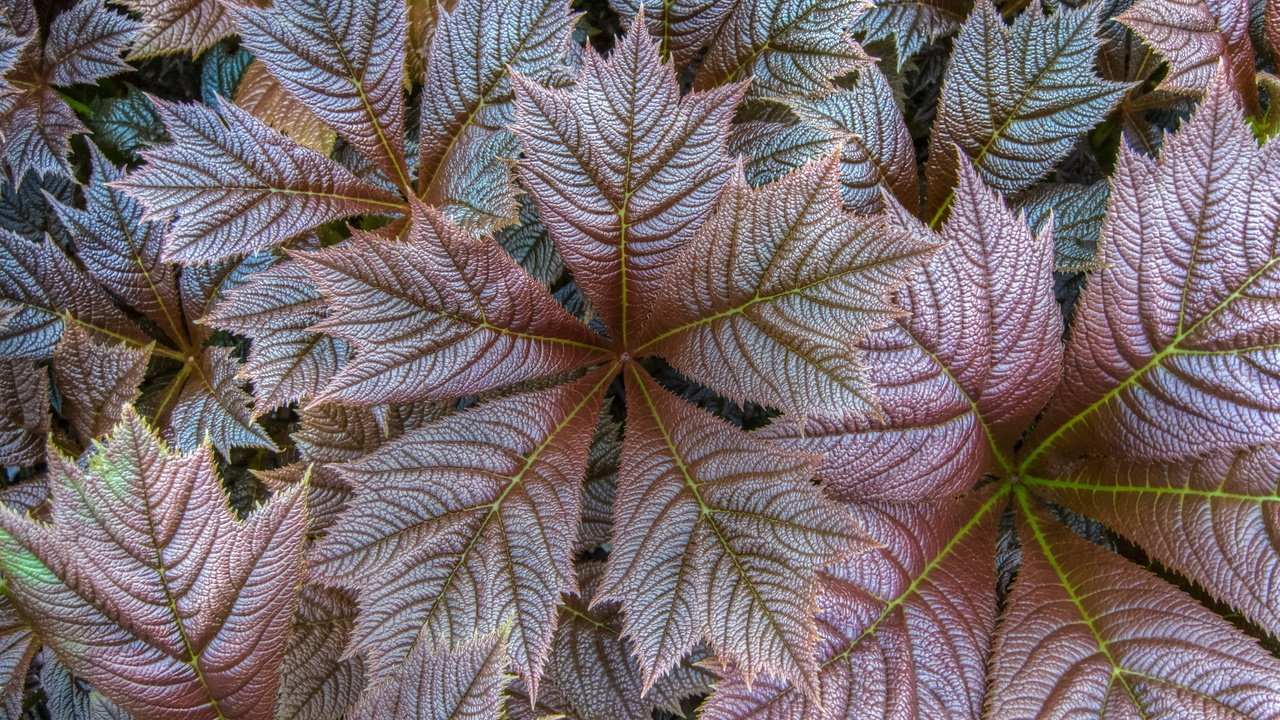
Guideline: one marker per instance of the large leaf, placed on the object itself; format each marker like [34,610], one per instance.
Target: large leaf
[769,298]
[789,48]
[1128,644]
[717,535]
[1175,349]
[146,585]
[463,525]
[623,172]
[960,377]
[236,185]
[1015,99]
[344,61]
[440,315]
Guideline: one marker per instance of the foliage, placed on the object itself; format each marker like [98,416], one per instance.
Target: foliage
[485,359]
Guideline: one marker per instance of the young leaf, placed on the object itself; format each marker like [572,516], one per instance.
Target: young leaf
[789,48]
[768,299]
[1130,645]
[466,522]
[85,43]
[716,535]
[344,61]
[440,315]
[172,26]
[236,185]
[146,585]
[127,125]
[462,682]
[623,172]
[1015,99]
[1176,335]
[963,374]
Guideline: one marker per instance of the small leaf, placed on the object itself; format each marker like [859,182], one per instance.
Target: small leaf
[214,408]
[145,584]
[316,681]
[221,71]
[127,125]
[911,23]
[1076,212]
[85,43]
[528,243]
[70,698]
[681,27]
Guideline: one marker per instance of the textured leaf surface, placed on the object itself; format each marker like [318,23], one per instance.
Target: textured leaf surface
[463,525]
[213,407]
[911,24]
[127,124]
[263,96]
[961,376]
[146,585]
[1076,213]
[682,28]
[623,172]
[716,535]
[1175,349]
[769,298]
[440,315]
[95,381]
[174,26]
[24,423]
[236,185]
[789,48]
[85,43]
[70,698]
[316,681]
[344,61]
[1015,99]
[465,682]
[904,631]
[528,243]
[1129,644]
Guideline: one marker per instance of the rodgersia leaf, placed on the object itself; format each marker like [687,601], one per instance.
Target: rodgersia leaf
[681,27]
[1015,99]
[459,526]
[24,421]
[1128,644]
[789,48]
[171,26]
[1076,213]
[85,43]
[911,23]
[716,535]
[528,243]
[95,381]
[128,124]
[70,698]
[18,644]
[146,585]
[316,681]
[440,315]
[961,376]
[770,296]
[263,96]
[235,185]
[344,61]
[213,407]
[465,682]
[1175,348]
[623,172]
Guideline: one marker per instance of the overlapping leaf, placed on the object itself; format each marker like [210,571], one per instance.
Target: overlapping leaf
[316,681]
[24,422]
[623,172]
[911,24]
[172,26]
[95,381]
[263,96]
[681,27]
[1015,99]
[146,585]
[462,682]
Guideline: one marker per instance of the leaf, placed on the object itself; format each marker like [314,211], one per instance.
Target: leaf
[69,698]
[598,489]
[172,26]
[42,287]
[214,408]
[144,583]
[221,71]
[961,376]
[1194,36]
[1175,347]
[863,123]
[85,43]
[912,24]
[681,27]
[439,315]
[623,172]
[287,360]
[528,243]
[24,424]
[37,130]
[26,207]
[95,381]
[462,682]
[235,185]
[789,48]
[316,681]
[265,98]
[1016,99]
[1208,518]
[128,124]
[1076,213]
[1129,644]
[461,525]
[345,62]
[904,631]
[467,90]
[18,645]
[768,299]
[717,535]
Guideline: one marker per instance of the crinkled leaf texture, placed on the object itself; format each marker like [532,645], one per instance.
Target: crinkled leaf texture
[145,584]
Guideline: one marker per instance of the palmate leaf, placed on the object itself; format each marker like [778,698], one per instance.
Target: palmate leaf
[716,535]
[681,27]
[789,48]
[145,585]
[236,185]
[623,172]
[768,299]
[960,377]
[440,315]
[1015,99]
[462,525]
[345,62]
